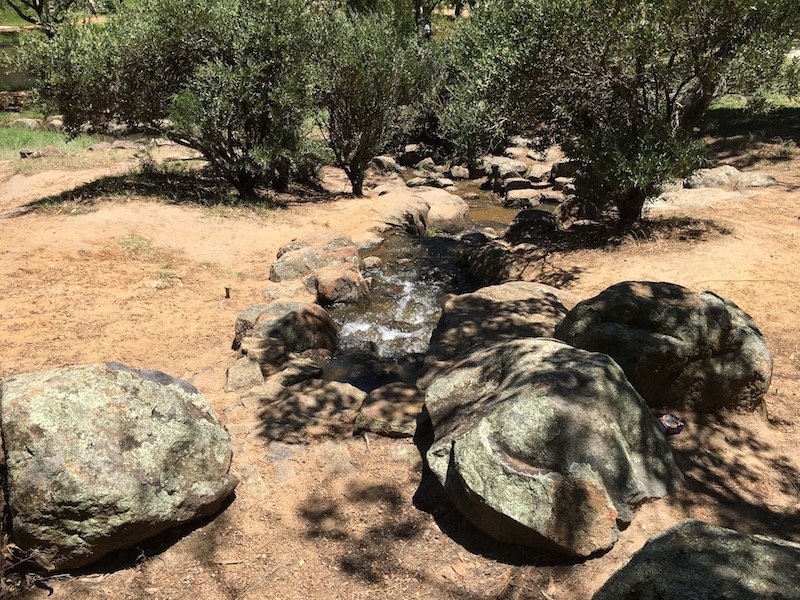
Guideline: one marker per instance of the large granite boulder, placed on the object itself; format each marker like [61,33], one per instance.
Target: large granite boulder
[101,457]
[512,310]
[696,560]
[679,348]
[546,446]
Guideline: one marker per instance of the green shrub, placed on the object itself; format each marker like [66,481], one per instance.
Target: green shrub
[622,84]
[368,71]
[230,78]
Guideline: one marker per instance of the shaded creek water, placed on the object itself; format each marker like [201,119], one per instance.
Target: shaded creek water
[386,340]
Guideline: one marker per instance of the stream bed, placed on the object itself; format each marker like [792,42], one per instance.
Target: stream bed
[386,340]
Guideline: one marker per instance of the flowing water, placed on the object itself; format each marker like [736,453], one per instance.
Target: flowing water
[386,341]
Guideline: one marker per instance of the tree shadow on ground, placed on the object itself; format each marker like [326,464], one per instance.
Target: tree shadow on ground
[743,138]
[738,487]
[373,535]
[181,188]
[541,252]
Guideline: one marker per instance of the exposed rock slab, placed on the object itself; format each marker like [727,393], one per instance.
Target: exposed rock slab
[678,348]
[698,560]
[101,457]
[545,445]
[512,310]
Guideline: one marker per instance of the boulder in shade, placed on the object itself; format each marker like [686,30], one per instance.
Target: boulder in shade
[508,311]
[678,348]
[699,560]
[544,445]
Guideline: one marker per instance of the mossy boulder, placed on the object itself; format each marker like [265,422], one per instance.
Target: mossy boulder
[543,445]
[101,457]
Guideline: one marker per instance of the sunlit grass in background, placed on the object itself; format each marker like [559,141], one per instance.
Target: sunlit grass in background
[14,139]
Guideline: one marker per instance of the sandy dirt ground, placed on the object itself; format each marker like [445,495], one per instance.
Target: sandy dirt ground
[141,280]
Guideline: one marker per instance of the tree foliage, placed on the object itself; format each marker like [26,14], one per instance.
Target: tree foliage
[230,78]
[49,14]
[363,86]
[621,83]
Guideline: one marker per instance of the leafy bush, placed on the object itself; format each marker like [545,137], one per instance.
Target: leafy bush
[622,84]
[363,85]
[230,78]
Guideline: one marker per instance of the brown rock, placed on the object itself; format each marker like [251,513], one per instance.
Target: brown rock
[341,284]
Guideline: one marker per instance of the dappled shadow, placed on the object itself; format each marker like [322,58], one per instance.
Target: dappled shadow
[728,468]
[186,188]
[541,254]
[591,417]
[28,575]
[606,236]
[744,138]
[308,410]
[370,530]
[431,497]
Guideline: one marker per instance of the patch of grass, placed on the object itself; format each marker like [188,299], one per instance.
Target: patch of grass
[137,246]
[14,139]
[8,116]
[9,18]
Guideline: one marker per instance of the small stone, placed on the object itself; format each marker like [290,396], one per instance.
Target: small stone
[385,163]
[243,373]
[426,164]
[372,262]
[459,172]
[442,182]
[517,183]
[418,181]
[559,183]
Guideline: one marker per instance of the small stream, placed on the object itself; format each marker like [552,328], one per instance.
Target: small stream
[386,341]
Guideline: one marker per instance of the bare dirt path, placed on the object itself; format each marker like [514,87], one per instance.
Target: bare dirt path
[141,281]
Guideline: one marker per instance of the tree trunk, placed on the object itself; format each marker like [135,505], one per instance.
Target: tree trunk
[246,187]
[630,208]
[357,180]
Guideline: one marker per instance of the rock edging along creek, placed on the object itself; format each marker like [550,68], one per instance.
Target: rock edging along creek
[385,341]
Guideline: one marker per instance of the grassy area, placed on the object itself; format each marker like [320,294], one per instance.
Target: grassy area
[731,116]
[13,139]
[9,18]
